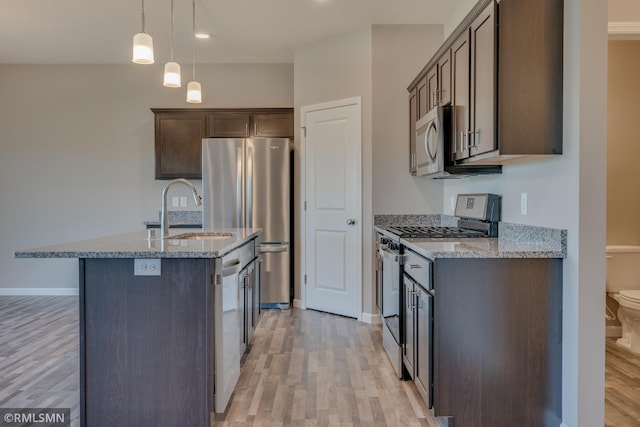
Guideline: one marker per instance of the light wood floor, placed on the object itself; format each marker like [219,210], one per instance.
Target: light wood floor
[305,368]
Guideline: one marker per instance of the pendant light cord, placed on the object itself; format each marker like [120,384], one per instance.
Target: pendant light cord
[172,33]
[143,29]
[194,39]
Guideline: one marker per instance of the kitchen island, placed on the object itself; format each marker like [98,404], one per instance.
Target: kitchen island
[163,323]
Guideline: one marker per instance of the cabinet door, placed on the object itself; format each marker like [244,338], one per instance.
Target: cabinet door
[444,79]
[423,98]
[273,125]
[408,347]
[178,144]
[483,95]
[460,97]
[228,125]
[424,355]
[432,88]
[413,117]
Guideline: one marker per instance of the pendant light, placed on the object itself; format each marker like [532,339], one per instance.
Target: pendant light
[194,90]
[172,69]
[142,45]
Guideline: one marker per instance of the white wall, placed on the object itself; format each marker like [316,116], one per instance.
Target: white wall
[399,54]
[570,192]
[624,10]
[77,147]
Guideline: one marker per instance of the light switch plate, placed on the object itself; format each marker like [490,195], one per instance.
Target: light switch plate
[147,267]
[183,201]
[174,201]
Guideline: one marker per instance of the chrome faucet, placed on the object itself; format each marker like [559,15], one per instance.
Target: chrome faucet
[164,215]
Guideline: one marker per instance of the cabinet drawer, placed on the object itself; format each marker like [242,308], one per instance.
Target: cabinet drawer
[419,268]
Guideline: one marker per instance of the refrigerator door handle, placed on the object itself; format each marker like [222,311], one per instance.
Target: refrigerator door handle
[269,247]
[249,219]
[239,199]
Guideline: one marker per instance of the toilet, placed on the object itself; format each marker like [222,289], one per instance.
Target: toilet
[623,285]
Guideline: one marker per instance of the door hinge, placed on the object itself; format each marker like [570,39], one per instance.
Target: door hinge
[216,279]
[305,279]
[304,130]
[305,205]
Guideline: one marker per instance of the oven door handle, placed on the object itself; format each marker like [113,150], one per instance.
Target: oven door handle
[390,256]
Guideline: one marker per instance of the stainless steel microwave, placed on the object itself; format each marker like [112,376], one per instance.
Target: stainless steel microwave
[430,143]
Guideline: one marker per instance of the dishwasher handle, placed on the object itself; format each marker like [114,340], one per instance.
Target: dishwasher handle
[232,267]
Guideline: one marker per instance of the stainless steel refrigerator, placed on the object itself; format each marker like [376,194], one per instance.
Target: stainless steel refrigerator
[245,184]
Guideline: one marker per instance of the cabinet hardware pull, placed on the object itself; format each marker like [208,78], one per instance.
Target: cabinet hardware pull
[414,265]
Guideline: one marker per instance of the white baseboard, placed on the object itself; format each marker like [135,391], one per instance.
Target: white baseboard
[298,304]
[39,291]
[373,319]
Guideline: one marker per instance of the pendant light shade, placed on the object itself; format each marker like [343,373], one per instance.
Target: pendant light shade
[194,92]
[172,74]
[143,49]
[143,45]
[172,69]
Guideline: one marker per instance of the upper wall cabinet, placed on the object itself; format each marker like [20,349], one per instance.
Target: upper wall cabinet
[179,133]
[178,145]
[500,72]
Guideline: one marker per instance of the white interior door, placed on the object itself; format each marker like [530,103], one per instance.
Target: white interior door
[333,250]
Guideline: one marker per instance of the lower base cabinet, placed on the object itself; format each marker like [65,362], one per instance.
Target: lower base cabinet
[498,342]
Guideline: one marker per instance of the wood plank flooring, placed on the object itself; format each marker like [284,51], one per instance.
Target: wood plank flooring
[304,369]
[622,387]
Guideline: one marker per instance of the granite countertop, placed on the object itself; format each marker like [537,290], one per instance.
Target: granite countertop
[514,241]
[147,244]
[480,248]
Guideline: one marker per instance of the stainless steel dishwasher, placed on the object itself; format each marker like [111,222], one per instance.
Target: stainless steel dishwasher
[228,322]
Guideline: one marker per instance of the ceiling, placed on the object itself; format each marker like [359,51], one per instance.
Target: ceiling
[98,32]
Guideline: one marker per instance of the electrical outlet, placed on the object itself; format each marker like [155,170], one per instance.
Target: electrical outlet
[183,201]
[147,267]
[175,201]
[524,204]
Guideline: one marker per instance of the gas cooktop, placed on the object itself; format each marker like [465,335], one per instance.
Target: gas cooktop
[412,231]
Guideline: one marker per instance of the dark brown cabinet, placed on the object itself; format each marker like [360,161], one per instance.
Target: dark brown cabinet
[475,97]
[504,65]
[498,342]
[179,133]
[228,125]
[444,79]
[272,125]
[460,97]
[413,117]
[178,144]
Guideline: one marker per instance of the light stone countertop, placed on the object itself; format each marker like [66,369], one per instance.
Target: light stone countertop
[147,244]
[481,248]
[514,241]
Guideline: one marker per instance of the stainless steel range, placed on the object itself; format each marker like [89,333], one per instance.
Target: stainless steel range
[478,216]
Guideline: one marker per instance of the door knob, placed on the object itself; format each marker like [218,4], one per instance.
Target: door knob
[351,221]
